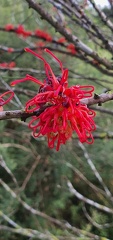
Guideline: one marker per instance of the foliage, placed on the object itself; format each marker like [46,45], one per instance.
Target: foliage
[36,174]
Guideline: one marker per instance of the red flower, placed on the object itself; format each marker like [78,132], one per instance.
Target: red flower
[65,113]
[61,40]
[3,65]
[3,101]
[43,34]
[10,50]
[9,27]
[11,64]
[72,48]
[7,65]
[40,44]
[40,47]
[21,31]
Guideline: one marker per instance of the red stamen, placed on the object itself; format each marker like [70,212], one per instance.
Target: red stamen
[60,63]
[28,77]
[6,101]
[47,67]
[64,77]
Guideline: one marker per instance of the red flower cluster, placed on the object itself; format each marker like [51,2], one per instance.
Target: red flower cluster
[2,101]
[7,65]
[43,34]
[9,27]
[72,48]
[10,50]
[62,40]
[20,30]
[65,112]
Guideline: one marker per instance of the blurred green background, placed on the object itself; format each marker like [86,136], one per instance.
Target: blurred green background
[42,173]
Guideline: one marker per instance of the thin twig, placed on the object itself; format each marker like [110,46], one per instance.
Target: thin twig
[96,173]
[3,164]
[69,37]
[22,188]
[57,222]
[87,200]
[95,224]
[99,99]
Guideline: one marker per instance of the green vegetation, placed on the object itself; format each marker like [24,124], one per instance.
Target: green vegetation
[42,173]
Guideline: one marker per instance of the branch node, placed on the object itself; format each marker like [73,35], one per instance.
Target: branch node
[96,96]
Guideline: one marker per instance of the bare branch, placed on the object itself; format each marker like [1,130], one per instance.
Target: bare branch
[87,200]
[27,232]
[97,225]
[57,222]
[102,15]
[30,173]
[96,99]
[103,110]
[96,173]
[3,164]
[69,37]
[83,178]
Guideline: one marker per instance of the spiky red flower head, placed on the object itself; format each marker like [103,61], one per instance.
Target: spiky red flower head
[65,113]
